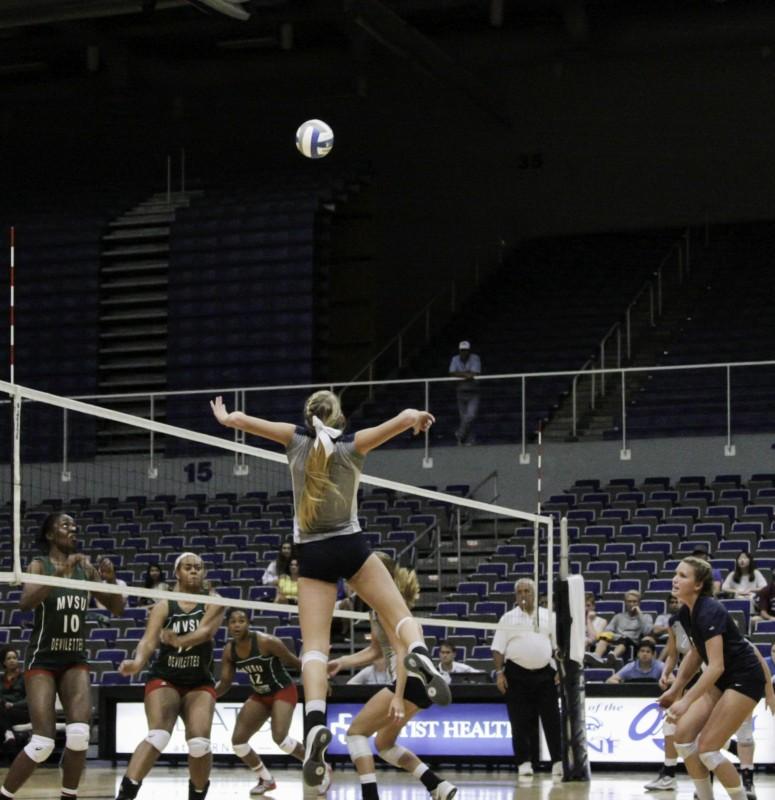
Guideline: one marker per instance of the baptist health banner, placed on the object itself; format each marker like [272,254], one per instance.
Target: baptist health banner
[626,729]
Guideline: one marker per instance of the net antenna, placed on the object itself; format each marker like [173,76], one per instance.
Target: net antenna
[24,397]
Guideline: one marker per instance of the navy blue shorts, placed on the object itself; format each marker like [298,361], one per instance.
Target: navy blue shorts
[750,683]
[330,559]
[414,692]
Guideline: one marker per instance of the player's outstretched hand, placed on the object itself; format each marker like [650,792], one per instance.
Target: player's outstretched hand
[423,422]
[334,665]
[219,410]
[129,667]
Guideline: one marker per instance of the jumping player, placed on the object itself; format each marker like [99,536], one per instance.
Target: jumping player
[57,658]
[325,469]
[391,708]
[180,681]
[265,660]
[734,679]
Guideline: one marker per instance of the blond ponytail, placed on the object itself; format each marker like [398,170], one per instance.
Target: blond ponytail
[317,480]
[405,579]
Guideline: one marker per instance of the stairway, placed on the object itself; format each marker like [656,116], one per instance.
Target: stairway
[132,355]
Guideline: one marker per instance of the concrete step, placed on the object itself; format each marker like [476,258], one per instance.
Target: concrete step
[125,221]
[133,267]
[139,346]
[137,250]
[131,382]
[134,332]
[150,281]
[156,298]
[134,234]
[142,362]
[135,315]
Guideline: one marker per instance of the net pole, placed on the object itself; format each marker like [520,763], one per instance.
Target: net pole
[537,526]
[12,308]
[17,486]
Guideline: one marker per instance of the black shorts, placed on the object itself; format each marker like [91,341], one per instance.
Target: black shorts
[414,692]
[750,683]
[330,559]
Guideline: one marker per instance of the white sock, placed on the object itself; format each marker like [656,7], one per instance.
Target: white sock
[746,766]
[369,777]
[737,793]
[671,762]
[704,788]
[69,792]
[419,644]
[5,793]
[315,705]
[420,770]
[263,772]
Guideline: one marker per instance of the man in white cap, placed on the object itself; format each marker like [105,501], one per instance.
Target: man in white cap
[466,366]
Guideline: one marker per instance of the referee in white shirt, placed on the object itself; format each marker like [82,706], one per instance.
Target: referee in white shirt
[526,675]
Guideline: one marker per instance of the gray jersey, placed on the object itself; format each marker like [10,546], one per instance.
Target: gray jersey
[391,661]
[338,513]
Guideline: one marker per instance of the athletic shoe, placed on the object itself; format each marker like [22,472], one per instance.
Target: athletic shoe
[662,783]
[326,785]
[262,787]
[314,768]
[435,686]
[594,660]
[557,771]
[444,791]
[525,771]
[747,776]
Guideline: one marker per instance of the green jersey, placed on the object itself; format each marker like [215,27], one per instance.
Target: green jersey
[192,666]
[267,674]
[59,629]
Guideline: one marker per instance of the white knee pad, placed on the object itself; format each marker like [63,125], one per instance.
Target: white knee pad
[358,746]
[198,746]
[400,623]
[745,733]
[158,738]
[241,750]
[711,759]
[77,736]
[686,750]
[668,728]
[288,745]
[393,754]
[39,748]
[313,655]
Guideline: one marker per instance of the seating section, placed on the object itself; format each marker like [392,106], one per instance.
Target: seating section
[623,536]
[512,323]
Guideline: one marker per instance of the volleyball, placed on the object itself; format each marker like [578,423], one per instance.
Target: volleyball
[314,138]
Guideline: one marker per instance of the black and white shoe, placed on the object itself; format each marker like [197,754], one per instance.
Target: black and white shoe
[747,777]
[435,686]
[444,791]
[315,768]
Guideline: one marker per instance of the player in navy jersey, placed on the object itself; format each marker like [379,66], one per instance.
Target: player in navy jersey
[735,678]
[57,658]
[180,680]
[325,470]
[265,660]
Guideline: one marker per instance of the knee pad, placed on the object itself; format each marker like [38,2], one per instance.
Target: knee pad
[668,728]
[39,748]
[198,746]
[711,759]
[358,746]
[158,738]
[288,745]
[745,733]
[241,750]
[313,655]
[393,754]
[77,736]
[686,750]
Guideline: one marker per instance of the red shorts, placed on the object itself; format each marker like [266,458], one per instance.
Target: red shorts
[55,673]
[288,694]
[160,683]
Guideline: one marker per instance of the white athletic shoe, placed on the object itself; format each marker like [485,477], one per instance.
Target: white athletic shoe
[557,771]
[262,787]
[314,768]
[662,783]
[326,785]
[525,772]
[435,686]
[444,791]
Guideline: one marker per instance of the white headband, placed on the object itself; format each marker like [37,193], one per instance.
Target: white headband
[324,435]
[181,557]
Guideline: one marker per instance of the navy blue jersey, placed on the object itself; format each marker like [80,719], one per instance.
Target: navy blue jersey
[710,618]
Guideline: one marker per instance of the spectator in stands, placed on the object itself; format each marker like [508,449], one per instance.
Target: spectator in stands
[701,552]
[288,584]
[374,674]
[745,581]
[107,572]
[154,579]
[766,600]
[13,696]
[625,629]
[280,565]
[466,366]
[662,622]
[644,667]
[595,625]
[447,664]
[527,676]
